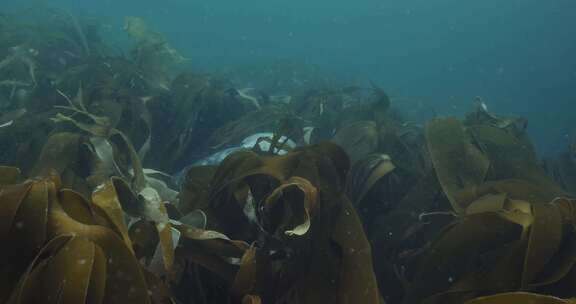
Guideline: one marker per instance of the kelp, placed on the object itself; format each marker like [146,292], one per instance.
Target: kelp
[452,211]
[460,166]
[264,119]
[193,97]
[294,227]
[358,139]
[59,239]
[513,159]
[485,177]
[511,227]
[65,247]
[288,215]
[77,34]
[17,140]
[485,156]
[481,116]
[152,54]
[365,174]
[371,125]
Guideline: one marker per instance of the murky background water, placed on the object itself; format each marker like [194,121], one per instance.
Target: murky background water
[518,55]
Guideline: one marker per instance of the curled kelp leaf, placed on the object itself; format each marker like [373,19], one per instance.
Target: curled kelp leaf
[365,173]
[333,246]
[197,218]
[287,210]
[138,181]
[147,205]
[69,252]
[460,167]
[546,236]
[110,198]
[158,181]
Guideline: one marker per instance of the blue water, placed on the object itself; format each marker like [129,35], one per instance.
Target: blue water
[519,55]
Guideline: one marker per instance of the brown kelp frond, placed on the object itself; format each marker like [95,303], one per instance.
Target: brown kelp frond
[58,238]
[365,174]
[293,199]
[100,132]
[152,53]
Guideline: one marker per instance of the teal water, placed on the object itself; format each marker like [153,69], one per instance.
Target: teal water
[518,55]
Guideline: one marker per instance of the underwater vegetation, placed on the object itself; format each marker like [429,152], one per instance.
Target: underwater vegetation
[286,193]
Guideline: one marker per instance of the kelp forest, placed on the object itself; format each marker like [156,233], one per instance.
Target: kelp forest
[126,179]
